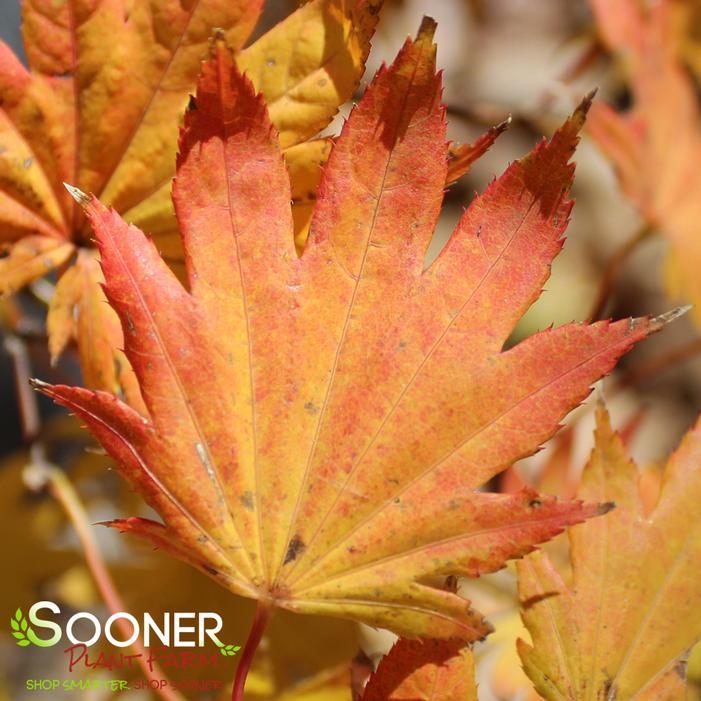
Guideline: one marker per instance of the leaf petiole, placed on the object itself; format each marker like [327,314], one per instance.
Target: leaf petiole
[258,627]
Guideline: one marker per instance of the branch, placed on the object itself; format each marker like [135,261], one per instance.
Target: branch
[613,268]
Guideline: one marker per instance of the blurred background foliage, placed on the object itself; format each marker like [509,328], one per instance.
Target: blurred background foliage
[528,60]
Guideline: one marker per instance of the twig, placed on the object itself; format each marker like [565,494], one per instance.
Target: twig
[659,364]
[613,268]
[26,398]
[254,637]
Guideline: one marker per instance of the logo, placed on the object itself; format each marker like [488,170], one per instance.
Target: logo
[24,634]
[180,630]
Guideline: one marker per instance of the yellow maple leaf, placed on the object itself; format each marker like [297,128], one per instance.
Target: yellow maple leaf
[621,628]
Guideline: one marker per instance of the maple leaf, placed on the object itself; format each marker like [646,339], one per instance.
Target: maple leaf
[317,426]
[96,323]
[462,156]
[305,162]
[656,147]
[620,630]
[99,108]
[416,670]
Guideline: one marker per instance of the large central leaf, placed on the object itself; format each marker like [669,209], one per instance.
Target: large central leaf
[317,426]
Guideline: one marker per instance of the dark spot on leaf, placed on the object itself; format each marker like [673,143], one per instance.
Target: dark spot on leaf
[610,692]
[311,408]
[211,570]
[295,548]
[535,503]
[246,500]
[192,104]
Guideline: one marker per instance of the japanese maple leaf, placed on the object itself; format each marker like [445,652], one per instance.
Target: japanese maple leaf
[424,670]
[100,107]
[622,627]
[656,146]
[317,426]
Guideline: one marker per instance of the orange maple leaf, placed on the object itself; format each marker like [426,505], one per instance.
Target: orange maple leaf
[317,426]
[422,670]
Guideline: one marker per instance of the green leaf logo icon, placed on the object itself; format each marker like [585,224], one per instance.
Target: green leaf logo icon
[20,629]
[229,650]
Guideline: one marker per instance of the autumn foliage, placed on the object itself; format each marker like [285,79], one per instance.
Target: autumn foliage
[623,626]
[100,109]
[315,413]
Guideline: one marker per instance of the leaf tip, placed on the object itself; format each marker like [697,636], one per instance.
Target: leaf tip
[45,388]
[605,507]
[659,322]
[589,97]
[112,523]
[503,126]
[427,29]
[488,630]
[78,195]
[217,40]
[580,114]
[38,385]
